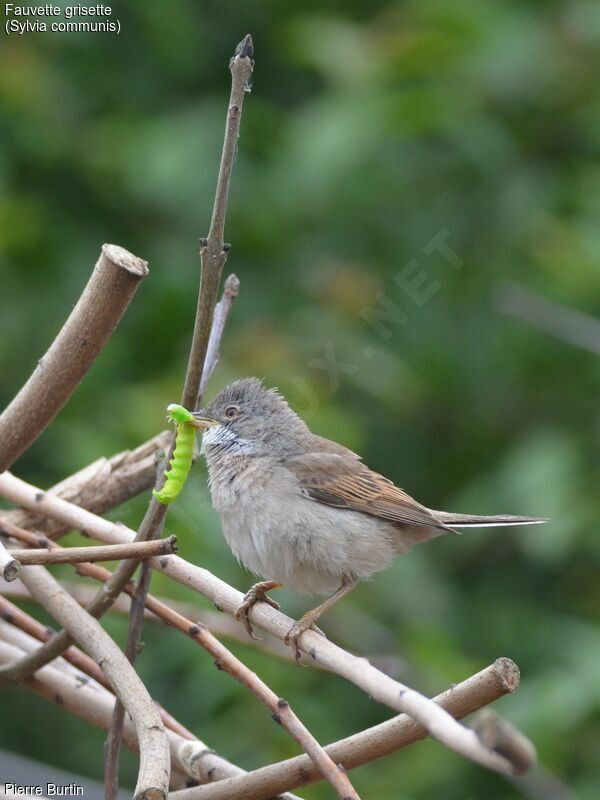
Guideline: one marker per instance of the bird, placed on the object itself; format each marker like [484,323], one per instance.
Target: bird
[302,511]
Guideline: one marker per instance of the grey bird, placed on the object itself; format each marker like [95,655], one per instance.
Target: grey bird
[301,511]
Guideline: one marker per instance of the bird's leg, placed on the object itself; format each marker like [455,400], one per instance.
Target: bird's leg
[254,595]
[308,620]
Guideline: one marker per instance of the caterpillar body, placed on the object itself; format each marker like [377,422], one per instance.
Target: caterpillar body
[181,461]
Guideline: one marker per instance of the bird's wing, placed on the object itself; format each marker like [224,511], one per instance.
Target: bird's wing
[340,479]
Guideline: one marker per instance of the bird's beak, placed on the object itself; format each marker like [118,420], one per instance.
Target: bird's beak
[202,422]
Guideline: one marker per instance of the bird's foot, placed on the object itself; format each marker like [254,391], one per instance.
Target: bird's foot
[305,623]
[255,594]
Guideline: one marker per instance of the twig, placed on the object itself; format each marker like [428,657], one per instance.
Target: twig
[132,648]
[155,761]
[151,528]
[566,324]
[213,250]
[493,682]
[502,737]
[85,699]
[102,485]
[359,671]
[109,291]
[217,623]
[9,566]
[231,290]
[280,709]
[15,616]
[114,552]
[213,255]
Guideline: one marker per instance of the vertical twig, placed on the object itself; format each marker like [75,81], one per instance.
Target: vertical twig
[213,255]
[213,250]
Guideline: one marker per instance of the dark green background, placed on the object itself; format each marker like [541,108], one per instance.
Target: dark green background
[371,127]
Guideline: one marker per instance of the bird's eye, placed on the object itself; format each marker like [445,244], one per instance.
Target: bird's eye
[231,412]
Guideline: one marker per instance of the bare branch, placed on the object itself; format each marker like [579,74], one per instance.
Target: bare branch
[9,566]
[112,748]
[15,616]
[109,552]
[102,485]
[359,671]
[109,291]
[499,679]
[213,250]
[225,660]
[155,761]
[213,255]
[280,709]
[231,290]
[75,693]
[502,737]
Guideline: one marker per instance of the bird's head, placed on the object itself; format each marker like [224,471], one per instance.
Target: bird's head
[247,418]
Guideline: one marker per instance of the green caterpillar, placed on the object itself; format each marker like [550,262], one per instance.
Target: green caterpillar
[181,461]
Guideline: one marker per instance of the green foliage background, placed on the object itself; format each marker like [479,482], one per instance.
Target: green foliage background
[372,127]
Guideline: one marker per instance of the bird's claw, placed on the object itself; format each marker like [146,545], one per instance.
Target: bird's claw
[292,637]
[254,595]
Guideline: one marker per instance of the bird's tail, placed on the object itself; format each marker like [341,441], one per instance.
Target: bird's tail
[477,521]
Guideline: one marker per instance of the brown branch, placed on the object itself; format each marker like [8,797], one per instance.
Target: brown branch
[109,291]
[24,622]
[155,761]
[150,528]
[216,622]
[9,565]
[359,671]
[75,693]
[493,682]
[280,709]
[112,748]
[109,552]
[213,250]
[502,737]
[100,486]
[225,660]
[231,290]
[213,255]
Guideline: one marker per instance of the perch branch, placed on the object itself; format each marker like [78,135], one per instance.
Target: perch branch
[280,709]
[155,761]
[109,291]
[114,552]
[214,621]
[222,625]
[359,671]
[75,693]
[9,565]
[500,678]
